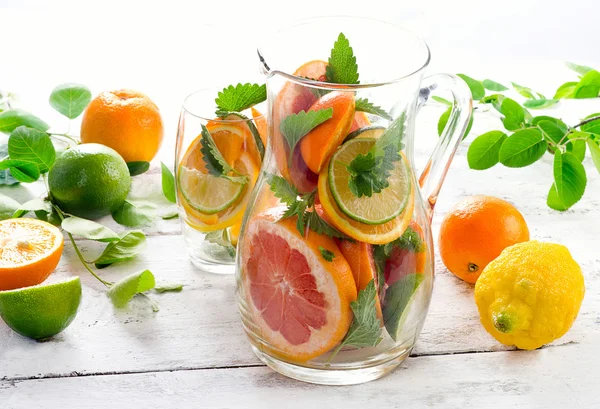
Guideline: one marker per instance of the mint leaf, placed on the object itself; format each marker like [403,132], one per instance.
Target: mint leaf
[342,68]
[579,69]
[221,238]
[369,173]
[137,168]
[493,85]
[14,118]
[88,229]
[70,99]
[134,213]
[588,86]
[363,104]
[8,206]
[127,247]
[240,97]
[21,170]
[523,148]
[124,290]
[569,181]
[485,150]
[326,254]
[539,103]
[215,163]
[397,298]
[476,87]
[283,189]
[168,183]
[33,146]
[177,288]
[566,90]
[295,126]
[595,153]
[314,222]
[514,114]
[441,100]
[365,330]
[34,205]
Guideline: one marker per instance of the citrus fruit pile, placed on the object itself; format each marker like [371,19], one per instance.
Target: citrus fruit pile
[302,285]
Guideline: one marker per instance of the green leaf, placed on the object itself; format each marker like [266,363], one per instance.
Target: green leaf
[397,298]
[168,213]
[536,120]
[552,131]
[6,178]
[593,126]
[365,330]
[475,86]
[70,99]
[566,90]
[21,170]
[34,205]
[221,238]
[215,162]
[295,126]
[514,114]
[539,103]
[595,152]
[523,148]
[327,255]
[127,247]
[569,181]
[363,104]
[14,118]
[342,68]
[33,146]
[282,189]
[8,206]
[525,91]
[314,222]
[493,86]
[441,100]
[240,97]
[588,87]
[123,291]
[579,69]
[137,168]
[177,288]
[168,183]
[88,229]
[444,120]
[485,149]
[135,213]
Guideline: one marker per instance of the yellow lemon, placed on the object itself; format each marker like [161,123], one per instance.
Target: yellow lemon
[530,294]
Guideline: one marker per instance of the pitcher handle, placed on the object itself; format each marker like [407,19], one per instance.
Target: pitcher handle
[434,173]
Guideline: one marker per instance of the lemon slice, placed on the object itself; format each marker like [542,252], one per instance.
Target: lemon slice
[207,193]
[380,207]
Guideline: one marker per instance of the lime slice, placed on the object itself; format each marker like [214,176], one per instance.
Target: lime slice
[373,131]
[380,207]
[41,311]
[207,193]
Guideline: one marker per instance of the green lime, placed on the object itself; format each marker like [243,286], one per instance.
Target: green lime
[89,180]
[207,193]
[380,207]
[41,311]
[372,131]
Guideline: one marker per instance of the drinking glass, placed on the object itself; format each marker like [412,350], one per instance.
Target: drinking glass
[335,265]
[212,197]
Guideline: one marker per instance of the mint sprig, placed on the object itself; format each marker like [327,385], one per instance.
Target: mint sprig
[214,161]
[327,255]
[240,97]
[364,105]
[342,67]
[221,238]
[295,126]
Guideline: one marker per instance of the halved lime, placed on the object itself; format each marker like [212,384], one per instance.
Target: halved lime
[41,311]
[372,131]
[380,207]
[207,193]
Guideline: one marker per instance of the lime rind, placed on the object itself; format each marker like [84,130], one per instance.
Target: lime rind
[379,208]
[206,193]
[371,131]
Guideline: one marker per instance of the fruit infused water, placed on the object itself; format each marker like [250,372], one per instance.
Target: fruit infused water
[335,261]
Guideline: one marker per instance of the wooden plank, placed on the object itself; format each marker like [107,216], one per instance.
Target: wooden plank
[553,377]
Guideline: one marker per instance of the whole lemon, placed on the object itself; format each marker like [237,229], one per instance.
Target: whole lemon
[530,295]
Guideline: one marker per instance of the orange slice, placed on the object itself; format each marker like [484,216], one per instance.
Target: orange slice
[29,251]
[298,302]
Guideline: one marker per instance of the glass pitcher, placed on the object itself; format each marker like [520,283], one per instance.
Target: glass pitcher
[335,262]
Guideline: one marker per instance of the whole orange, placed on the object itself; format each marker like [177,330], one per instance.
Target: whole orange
[476,231]
[125,120]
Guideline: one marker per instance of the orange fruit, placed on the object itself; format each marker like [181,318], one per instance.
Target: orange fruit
[475,232]
[125,120]
[299,303]
[318,145]
[261,124]
[368,233]
[29,251]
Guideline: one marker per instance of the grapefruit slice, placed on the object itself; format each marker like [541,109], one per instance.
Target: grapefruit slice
[299,302]
[408,255]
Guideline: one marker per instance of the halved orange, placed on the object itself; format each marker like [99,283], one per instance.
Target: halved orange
[29,251]
[299,303]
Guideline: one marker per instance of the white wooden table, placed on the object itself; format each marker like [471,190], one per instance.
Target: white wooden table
[193,353]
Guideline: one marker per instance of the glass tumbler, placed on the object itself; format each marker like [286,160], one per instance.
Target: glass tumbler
[335,262]
[218,160]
